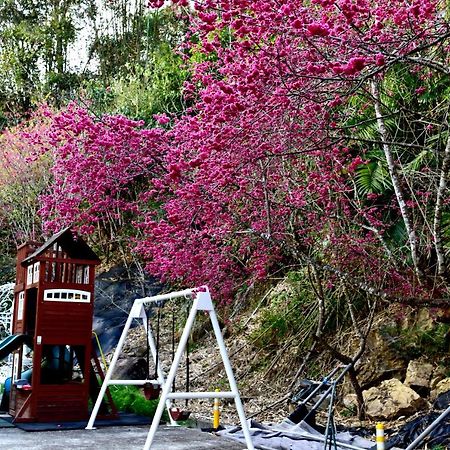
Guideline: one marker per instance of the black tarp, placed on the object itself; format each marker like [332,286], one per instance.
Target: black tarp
[440,436]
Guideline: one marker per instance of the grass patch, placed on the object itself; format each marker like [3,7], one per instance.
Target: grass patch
[289,312]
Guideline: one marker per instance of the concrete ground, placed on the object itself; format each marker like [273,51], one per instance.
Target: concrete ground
[114,438]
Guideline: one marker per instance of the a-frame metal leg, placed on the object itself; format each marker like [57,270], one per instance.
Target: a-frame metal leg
[231,379]
[202,302]
[137,312]
[109,373]
[170,377]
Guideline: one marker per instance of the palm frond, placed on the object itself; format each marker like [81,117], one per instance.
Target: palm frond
[372,178]
[421,160]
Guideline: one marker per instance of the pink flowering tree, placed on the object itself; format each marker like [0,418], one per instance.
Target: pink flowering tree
[99,167]
[23,178]
[317,134]
[297,148]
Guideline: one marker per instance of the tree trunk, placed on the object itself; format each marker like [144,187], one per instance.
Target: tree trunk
[400,196]
[438,210]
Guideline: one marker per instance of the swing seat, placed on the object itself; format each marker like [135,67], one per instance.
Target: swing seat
[178,414]
[152,391]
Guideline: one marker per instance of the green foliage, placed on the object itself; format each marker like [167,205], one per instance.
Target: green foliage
[147,84]
[138,72]
[373,178]
[290,312]
[34,43]
[7,266]
[138,34]
[349,411]
[130,399]
[155,88]
[397,236]
[415,341]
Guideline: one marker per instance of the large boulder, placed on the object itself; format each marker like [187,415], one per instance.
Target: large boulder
[115,292]
[391,399]
[379,362]
[131,369]
[418,376]
[439,374]
[392,343]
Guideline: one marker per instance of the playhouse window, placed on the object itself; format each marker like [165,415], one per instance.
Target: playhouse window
[67,295]
[30,274]
[16,367]
[86,275]
[79,275]
[20,305]
[61,364]
[36,268]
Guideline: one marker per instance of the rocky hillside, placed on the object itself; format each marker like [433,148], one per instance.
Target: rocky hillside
[403,370]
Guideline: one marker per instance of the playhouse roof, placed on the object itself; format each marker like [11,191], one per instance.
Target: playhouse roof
[70,242]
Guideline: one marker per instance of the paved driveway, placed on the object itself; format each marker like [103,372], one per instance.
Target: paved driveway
[113,438]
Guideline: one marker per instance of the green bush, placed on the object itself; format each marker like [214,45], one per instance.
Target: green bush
[130,399]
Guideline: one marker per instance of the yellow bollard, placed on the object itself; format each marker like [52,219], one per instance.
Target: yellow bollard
[380,436]
[216,412]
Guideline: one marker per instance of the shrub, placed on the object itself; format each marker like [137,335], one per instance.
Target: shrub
[130,399]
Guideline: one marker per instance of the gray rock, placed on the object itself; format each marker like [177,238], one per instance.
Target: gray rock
[441,387]
[115,292]
[131,369]
[379,362]
[418,376]
[350,401]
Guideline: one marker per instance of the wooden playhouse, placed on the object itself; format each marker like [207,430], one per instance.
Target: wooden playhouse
[53,311]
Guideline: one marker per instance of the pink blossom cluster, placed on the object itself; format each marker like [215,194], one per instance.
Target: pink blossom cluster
[96,165]
[251,176]
[253,173]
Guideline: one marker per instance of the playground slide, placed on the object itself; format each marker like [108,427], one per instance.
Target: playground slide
[12,343]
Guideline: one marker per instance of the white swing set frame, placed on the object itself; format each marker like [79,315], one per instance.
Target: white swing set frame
[201,301]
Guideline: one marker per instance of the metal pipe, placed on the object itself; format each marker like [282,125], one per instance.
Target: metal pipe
[231,380]
[200,395]
[328,391]
[324,381]
[330,435]
[109,373]
[428,430]
[161,297]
